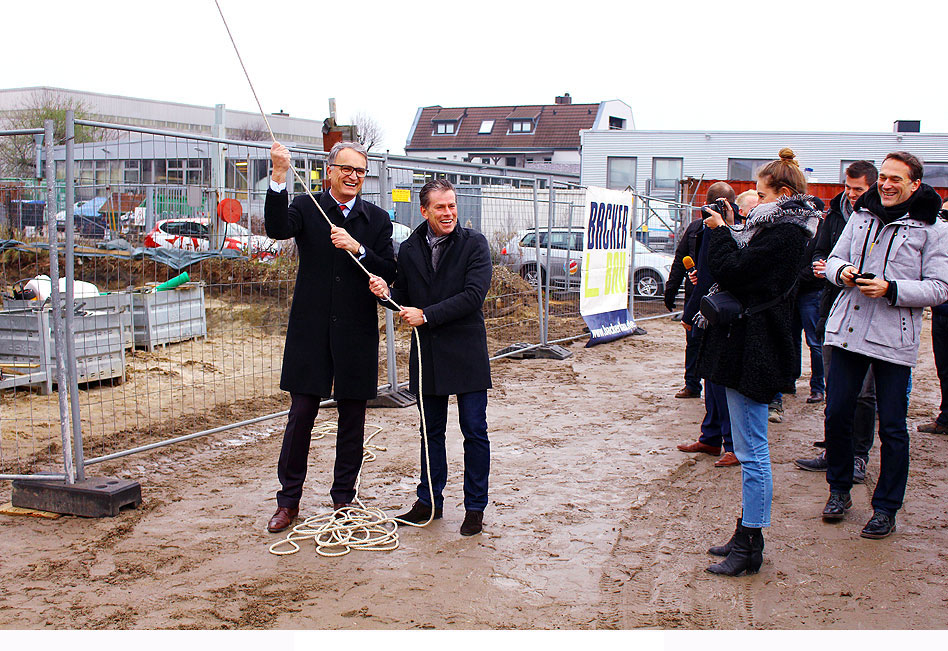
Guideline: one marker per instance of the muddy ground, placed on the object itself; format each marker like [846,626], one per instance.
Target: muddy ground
[595,521]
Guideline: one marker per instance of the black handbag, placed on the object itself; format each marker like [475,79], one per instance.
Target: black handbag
[723,308]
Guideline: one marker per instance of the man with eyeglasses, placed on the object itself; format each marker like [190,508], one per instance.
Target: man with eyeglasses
[332,337]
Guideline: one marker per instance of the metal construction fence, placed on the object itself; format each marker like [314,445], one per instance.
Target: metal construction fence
[128,368]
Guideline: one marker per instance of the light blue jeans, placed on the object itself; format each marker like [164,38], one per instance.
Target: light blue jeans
[749,431]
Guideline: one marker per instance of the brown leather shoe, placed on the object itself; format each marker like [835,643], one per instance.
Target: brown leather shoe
[283,518]
[933,427]
[687,393]
[698,446]
[728,459]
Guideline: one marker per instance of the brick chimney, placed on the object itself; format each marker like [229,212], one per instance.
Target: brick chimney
[564,99]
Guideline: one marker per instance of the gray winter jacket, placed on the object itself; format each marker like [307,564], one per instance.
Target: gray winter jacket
[912,252]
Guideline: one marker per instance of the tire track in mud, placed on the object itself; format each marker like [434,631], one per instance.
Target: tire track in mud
[651,581]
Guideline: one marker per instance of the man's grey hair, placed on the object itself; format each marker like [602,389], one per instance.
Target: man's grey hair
[339,146]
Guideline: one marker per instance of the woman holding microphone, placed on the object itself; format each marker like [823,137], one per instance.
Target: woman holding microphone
[753,356]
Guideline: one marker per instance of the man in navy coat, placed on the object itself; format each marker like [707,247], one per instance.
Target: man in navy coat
[443,276]
[332,337]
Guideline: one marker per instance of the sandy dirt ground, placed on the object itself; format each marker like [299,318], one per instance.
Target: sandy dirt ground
[595,521]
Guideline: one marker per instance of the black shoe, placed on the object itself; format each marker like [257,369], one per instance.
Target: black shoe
[420,513]
[859,470]
[815,396]
[725,549]
[746,555]
[473,523]
[836,505]
[880,525]
[817,464]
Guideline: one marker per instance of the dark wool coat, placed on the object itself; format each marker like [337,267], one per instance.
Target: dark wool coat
[332,337]
[754,355]
[454,354]
[687,246]
[831,227]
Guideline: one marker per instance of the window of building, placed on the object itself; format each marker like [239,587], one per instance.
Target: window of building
[511,161]
[744,169]
[445,128]
[486,126]
[620,172]
[485,160]
[666,172]
[843,164]
[521,126]
[616,123]
[935,174]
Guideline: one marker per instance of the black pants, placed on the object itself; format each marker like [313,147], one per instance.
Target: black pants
[692,346]
[350,434]
[864,418]
[846,378]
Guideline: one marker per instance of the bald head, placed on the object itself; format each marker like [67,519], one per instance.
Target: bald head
[720,190]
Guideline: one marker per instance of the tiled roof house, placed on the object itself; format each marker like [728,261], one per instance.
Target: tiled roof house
[535,136]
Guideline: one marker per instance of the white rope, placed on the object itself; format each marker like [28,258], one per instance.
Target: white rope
[348,528]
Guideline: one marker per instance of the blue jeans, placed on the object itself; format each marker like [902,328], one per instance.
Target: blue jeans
[716,426]
[472,418]
[749,431]
[805,316]
[847,373]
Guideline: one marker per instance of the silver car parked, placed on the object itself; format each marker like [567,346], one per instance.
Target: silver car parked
[565,261]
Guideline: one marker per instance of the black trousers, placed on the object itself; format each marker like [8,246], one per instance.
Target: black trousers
[350,435]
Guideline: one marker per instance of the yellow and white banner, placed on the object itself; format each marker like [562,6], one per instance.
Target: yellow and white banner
[607,253]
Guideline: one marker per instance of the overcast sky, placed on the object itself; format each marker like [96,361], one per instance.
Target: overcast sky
[730,65]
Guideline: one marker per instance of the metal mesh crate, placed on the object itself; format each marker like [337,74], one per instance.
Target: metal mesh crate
[166,317]
[26,339]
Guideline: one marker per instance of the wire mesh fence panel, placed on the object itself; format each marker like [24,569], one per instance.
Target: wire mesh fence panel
[156,362]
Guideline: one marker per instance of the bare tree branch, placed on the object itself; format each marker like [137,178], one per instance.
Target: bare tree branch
[369,130]
[250,131]
[17,153]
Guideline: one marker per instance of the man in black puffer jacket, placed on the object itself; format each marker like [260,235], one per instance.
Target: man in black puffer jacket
[860,176]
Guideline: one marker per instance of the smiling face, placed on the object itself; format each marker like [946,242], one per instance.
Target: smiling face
[441,212]
[895,186]
[346,186]
[855,188]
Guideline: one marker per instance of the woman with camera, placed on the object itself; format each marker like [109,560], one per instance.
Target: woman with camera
[748,346]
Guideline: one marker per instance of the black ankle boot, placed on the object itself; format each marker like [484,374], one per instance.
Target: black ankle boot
[746,553]
[725,549]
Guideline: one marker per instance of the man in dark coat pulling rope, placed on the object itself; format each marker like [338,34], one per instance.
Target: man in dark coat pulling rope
[444,273]
[332,337]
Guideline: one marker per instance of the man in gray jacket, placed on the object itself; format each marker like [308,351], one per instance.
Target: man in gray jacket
[891,261]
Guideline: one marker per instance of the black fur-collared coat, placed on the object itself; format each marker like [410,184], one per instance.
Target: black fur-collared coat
[755,355]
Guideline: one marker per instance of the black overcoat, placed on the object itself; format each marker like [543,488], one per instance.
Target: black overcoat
[454,354]
[332,336]
[754,355]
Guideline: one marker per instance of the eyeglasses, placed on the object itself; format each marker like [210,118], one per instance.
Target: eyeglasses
[348,169]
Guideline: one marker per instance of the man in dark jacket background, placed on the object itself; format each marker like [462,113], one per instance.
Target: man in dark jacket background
[940,349]
[688,245]
[716,425]
[859,177]
[444,274]
[332,337]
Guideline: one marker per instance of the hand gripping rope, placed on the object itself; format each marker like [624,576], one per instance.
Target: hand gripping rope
[338,533]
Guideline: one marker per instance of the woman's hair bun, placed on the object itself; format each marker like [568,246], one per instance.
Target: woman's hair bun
[786,155]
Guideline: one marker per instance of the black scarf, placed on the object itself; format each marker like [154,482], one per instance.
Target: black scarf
[923,205]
